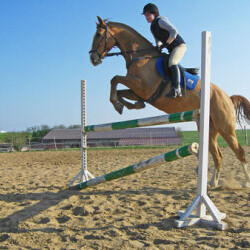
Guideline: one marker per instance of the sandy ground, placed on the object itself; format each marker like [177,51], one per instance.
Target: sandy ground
[137,211]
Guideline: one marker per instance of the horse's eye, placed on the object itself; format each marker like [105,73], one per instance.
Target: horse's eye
[98,35]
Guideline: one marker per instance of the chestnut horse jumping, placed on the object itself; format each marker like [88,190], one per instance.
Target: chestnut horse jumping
[142,81]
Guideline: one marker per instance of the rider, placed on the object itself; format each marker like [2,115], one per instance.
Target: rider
[166,36]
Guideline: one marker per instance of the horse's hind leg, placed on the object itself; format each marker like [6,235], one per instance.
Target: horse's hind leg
[216,154]
[233,143]
[224,121]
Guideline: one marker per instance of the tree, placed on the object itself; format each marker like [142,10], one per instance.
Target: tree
[36,133]
[74,126]
[44,127]
[59,127]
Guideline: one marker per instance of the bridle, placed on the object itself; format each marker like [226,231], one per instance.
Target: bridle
[105,38]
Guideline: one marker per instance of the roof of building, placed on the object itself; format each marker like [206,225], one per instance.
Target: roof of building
[75,134]
[63,134]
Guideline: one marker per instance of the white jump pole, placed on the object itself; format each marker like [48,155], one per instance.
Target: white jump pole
[84,173]
[202,202]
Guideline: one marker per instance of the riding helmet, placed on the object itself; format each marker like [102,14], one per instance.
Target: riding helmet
[150,8]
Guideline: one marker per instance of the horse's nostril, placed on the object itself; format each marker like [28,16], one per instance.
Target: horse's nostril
[93,57]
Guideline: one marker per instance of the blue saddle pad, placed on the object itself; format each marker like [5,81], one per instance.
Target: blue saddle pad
[191,80]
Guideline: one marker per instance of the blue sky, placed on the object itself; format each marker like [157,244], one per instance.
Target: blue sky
[44,54]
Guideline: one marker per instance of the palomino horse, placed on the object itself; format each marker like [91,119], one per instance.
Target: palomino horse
[143,79]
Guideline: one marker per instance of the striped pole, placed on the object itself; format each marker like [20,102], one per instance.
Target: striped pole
[141,166]
[144,122]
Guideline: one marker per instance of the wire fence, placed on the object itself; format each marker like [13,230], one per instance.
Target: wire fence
[161,140]
[183,138]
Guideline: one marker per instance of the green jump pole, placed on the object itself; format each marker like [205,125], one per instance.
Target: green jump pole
[153,162]
[144,122]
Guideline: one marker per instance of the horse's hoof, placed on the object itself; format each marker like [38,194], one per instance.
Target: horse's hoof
[139,105]
[119,107]
[211,186]
[246,185]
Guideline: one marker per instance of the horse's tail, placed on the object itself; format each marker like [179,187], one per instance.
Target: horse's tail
[242,108]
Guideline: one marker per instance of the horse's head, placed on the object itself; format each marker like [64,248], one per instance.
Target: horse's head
[103,42]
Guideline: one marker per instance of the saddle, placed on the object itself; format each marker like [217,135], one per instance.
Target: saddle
[189,77]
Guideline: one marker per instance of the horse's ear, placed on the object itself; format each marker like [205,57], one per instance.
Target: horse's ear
[101,21]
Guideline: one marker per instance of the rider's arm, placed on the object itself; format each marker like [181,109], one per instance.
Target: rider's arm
[165,24]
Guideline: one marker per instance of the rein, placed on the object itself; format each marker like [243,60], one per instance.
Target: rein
[126,52]
[122,52]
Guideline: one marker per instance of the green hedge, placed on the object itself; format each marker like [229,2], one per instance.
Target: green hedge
[193,136]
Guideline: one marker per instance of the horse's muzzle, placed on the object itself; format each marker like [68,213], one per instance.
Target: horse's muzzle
[95,58]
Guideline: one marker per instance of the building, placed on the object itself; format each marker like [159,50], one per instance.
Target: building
[62,138]
[6,147]
[71,138]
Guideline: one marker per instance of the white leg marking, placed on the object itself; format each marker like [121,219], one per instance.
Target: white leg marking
[215,178]
[247,175]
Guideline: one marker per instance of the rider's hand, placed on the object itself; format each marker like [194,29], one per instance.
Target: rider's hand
[162,46]
[159,48]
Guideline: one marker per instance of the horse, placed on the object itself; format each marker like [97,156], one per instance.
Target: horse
[143,81]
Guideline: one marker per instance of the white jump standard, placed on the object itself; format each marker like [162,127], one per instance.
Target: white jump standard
[202,201]
[84,174]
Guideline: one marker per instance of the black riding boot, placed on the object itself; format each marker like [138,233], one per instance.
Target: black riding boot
[176,81]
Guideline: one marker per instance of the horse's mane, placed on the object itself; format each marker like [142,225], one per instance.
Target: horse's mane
[126,27]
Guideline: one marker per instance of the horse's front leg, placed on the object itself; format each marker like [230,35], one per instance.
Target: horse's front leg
[125,80]
[129,94]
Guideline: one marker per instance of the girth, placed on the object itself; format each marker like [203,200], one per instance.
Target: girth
[151,100]
[157,93]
